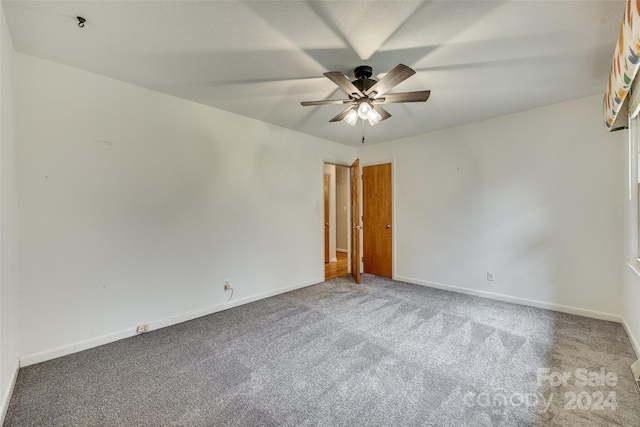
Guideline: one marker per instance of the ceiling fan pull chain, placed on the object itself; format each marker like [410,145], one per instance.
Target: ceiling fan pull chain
[363,131]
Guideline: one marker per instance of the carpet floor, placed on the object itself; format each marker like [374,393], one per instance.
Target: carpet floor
[383,353]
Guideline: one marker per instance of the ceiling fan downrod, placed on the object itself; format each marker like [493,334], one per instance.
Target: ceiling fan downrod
[363,72]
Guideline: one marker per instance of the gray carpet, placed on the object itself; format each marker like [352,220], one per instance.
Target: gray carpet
[383,353]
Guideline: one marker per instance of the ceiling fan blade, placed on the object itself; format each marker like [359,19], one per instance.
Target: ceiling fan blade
[383,113]
[342,114]
[343,82]
[395,98]
[326,102]
[394,77]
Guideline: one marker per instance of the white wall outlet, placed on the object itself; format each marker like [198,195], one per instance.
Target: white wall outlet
[141,329]
[227,286]
[491,276]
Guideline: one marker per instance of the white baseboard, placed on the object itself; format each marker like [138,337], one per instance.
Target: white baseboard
[333,260]
[64,350]
[158,324]
[632,338]
[341,250]
[8,393]
[516,300]
[43,356]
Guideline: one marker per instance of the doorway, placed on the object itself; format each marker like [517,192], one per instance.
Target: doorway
[336,220]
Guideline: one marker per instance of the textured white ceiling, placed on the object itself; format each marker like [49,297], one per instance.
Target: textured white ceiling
[260,59]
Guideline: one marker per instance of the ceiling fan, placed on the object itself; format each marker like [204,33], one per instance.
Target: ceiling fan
[366,94]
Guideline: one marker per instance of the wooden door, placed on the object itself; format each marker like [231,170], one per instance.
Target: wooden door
[377,208]
[326,219]
[355,220]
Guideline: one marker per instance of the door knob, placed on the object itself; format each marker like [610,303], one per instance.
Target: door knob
[387,226]
[326,225]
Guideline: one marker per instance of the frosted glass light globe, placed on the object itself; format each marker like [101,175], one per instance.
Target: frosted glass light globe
[351,117]
[363,110]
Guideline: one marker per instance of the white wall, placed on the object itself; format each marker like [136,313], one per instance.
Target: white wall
[342,221]
[631,286]
[8,227]
[534,197]
[135,206]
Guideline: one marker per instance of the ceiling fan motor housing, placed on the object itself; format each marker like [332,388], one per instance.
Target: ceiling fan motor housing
[363,74]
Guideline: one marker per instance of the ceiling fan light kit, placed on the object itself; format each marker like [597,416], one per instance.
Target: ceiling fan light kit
[366,94]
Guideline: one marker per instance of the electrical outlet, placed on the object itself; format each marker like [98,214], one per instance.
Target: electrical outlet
[227,286]
[141,329]
[491,276]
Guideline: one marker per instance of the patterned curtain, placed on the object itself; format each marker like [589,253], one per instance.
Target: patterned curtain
[626,61]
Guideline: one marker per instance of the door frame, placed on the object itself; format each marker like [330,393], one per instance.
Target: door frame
[346,165]
[394,233]
[327,218]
